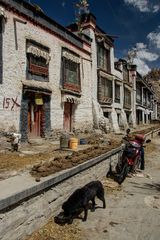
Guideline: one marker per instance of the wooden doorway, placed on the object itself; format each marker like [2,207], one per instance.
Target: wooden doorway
[68,110]
[35,118]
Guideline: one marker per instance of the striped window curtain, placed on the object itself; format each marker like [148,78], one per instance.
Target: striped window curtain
[106,88]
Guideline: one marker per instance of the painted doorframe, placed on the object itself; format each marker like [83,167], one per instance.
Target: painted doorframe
[46,121]
[35,117]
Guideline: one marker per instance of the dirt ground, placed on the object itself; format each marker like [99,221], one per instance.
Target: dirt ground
[45,159]
[132,212]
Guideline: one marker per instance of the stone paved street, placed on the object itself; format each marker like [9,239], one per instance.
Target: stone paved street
[134,212]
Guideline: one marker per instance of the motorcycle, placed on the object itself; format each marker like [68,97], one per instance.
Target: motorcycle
[130,158]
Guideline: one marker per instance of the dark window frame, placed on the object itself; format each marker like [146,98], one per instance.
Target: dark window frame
[37,69]
[105,90]
[103,58]
[138,94]
[68,67]
[117,93]
[125,74]
[144,97]
[127,98]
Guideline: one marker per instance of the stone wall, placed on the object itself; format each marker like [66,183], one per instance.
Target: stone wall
[22,220]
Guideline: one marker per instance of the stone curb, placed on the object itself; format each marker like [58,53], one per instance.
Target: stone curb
[61,176]
[53,180]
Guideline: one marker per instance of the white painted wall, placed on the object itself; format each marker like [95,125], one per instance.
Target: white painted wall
[14,69]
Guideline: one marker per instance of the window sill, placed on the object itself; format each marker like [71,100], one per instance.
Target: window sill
[72,87]
[64,90]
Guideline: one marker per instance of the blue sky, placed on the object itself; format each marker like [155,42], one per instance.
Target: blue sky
[136,23]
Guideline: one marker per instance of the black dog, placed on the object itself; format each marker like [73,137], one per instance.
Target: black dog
[79,200]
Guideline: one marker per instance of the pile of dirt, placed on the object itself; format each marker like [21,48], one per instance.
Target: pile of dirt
[59,163]
[111,186]
[16,161]
[53,231]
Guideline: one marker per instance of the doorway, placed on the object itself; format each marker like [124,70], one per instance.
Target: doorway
[35,117]
[68,110]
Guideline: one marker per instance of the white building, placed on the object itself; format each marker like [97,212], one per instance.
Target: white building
[45,71]
[112,84]
[146,105]
[55,79]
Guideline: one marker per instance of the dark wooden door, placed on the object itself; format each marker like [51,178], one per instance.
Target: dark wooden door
[35,119]
[68,116]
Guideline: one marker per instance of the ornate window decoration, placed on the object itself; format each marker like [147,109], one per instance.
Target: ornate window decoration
[105,91]
[38,58]
[71,71]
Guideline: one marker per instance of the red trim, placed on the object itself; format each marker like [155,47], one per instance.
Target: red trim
[72,87]
[37,24]
[35,69]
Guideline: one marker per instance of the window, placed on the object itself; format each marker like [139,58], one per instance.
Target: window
[127,98]
[1,53]
[149,100]
[71,71]
[38,61]
[125,74]
[144,97]
[103,58]
[117,93]
[105,90]
[138,94]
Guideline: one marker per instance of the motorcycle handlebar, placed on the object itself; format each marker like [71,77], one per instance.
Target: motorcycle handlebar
[128,140]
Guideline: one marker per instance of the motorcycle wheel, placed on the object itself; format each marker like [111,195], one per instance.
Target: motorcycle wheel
[123,173]
[120,165]
[118,168]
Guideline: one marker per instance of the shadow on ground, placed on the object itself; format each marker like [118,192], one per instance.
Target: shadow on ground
[149,186]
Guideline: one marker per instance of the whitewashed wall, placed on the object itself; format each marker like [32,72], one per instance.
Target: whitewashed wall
[14,69]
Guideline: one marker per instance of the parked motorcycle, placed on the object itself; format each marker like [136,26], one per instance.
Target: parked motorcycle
[130,158]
